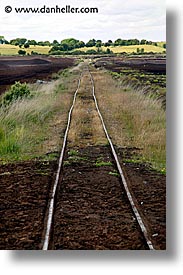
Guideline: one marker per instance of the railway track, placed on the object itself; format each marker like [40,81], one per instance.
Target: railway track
[77,208]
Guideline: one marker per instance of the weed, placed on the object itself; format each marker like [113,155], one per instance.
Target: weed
[135,161]
[72,153]
[66,163]
[115,174]
[103,163]
[77,158]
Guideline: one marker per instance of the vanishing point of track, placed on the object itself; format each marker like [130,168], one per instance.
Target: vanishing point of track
[51,206]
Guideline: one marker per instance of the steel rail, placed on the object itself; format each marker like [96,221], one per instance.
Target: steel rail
[134,208]
[51,204]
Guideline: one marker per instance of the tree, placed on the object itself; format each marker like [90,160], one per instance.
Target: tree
[108,51]
[55,42]
[40,43]
[32,42]
[108,43]
[47,43]
[2,39]
[22,40]
[65,47]
[149,43]
[71,43]
[18,41]
[118,42]
[124,42]
[26,46]
[91,43]
[133,42]
[43,43]
[80,44]
[98,43]
[143,42]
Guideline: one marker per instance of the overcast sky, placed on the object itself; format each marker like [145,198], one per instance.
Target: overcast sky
[116,19]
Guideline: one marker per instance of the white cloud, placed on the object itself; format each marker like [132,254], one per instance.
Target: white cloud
[116,18]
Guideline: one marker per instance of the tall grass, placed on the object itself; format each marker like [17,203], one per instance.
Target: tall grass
[32,127]
[133,119]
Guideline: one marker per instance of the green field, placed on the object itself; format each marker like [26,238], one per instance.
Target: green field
[13,50]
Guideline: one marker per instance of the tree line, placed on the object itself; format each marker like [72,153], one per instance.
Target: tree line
[72,43]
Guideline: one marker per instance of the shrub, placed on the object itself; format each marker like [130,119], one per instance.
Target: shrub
[17,91]
[34,53]
[22,52]
[91,52]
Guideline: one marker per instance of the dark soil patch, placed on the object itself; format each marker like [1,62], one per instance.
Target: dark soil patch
[29,69]
[151,64]
[24,194]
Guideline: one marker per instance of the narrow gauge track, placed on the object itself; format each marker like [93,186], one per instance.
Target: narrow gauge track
[48,242]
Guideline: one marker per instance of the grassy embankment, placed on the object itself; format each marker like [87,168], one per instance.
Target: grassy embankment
[133,119]
[13,50]
[33,127]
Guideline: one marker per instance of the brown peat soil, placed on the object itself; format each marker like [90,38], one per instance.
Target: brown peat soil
[29,69]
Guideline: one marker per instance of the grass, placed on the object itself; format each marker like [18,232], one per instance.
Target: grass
[100,163]
[133,119]
[73,158]
[115,174]
[72,152]
[33,127]
[129,49]
[7,49]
